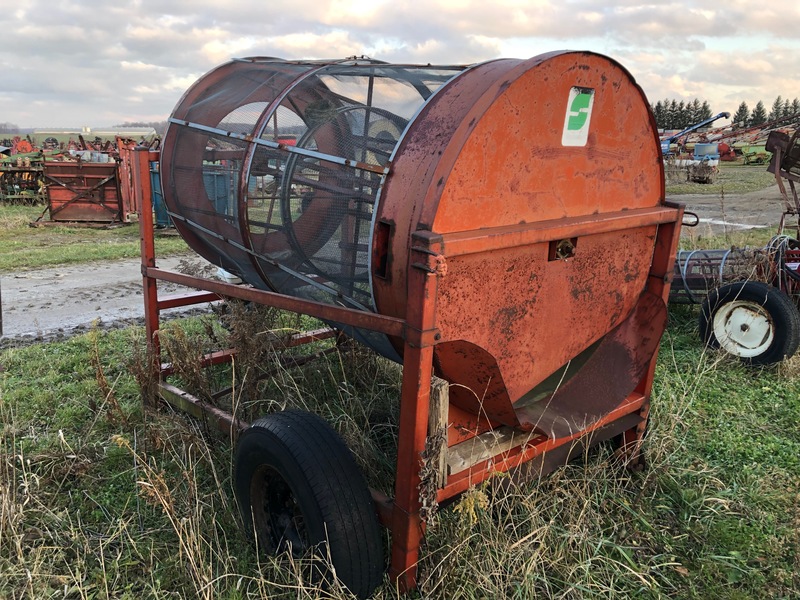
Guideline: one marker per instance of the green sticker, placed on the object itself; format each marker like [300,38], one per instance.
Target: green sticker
[579,111]
[578,118]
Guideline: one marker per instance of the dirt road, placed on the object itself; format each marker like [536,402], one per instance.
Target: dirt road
[54,303]
[48,304]
[730,213]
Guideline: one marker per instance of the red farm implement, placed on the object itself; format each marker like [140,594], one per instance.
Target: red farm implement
[750,297]
[451,219]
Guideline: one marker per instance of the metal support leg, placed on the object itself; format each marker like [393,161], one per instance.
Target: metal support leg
[421,335]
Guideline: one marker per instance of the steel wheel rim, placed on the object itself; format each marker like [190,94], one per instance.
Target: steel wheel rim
[277,517]
[744,329]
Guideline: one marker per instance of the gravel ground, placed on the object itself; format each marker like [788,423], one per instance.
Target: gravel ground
[734,212]
[55,303]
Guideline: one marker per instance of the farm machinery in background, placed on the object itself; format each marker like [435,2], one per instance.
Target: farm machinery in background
[21,171]
[701,165]
[750,143]
[693,155]
[31,171]
[79,181]
[750,296]
[675,138]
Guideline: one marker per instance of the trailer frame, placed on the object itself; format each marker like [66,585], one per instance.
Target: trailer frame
[423,411]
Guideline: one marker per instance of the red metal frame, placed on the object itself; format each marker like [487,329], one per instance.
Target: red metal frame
[85,191]
[418,331]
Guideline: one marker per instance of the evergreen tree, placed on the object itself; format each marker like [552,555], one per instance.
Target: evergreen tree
[667,114]
[695,111]
[759,114]
[658,113]
[742,115]
[777,109]
[795,107]
[787,109]
[674,116]
[671,114]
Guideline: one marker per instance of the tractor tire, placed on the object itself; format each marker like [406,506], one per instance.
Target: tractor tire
[751,320]
[300,490]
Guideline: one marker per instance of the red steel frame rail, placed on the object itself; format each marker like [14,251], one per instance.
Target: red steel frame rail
[401,514]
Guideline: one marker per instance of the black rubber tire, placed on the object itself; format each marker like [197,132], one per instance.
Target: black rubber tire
[297,470]
[780,315]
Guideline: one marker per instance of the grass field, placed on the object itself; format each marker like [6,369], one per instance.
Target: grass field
[733,178]
[25,247]
[102,496]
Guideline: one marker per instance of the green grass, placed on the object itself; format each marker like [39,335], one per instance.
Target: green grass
[748,238]
[733,178]
[103,498]
[25,247]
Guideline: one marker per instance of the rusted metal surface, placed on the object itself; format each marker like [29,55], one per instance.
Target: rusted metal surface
[204,411]
[511,236]
[431,138]
[126,150]
[518,246]
[564,408]
[536,447]
[551,310]
[326,312]
[79,191]
[785,164]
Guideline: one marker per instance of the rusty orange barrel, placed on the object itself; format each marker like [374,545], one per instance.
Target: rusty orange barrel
[539,182]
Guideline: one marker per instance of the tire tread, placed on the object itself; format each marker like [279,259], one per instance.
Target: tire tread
[340,493]
[781,308]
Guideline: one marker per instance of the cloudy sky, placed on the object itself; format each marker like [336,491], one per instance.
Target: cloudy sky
[87,62]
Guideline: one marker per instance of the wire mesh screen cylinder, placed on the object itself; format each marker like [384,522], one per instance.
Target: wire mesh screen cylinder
[272,169]
[541,179]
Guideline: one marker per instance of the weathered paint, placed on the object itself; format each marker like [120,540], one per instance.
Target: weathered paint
[467,283]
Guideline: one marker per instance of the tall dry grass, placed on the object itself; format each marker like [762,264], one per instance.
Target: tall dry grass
[103,499]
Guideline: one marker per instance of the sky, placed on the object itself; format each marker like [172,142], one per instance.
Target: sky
[101,63]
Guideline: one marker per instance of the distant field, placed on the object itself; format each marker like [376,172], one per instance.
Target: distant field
[733,178]
[25,247]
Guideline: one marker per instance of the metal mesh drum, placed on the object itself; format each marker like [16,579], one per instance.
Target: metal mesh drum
[273,168]
[532,189]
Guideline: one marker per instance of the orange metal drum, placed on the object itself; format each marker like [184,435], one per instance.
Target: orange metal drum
[488,154]
[501,225]
[540,180]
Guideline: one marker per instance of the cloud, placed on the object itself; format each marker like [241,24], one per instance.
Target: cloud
[87,62]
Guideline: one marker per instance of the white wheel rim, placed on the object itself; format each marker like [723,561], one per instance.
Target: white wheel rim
[744,329]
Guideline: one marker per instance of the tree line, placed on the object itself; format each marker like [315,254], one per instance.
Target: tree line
[159,126]
[674,114]
[781,108]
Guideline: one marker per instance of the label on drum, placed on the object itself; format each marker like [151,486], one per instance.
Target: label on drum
[578,117]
